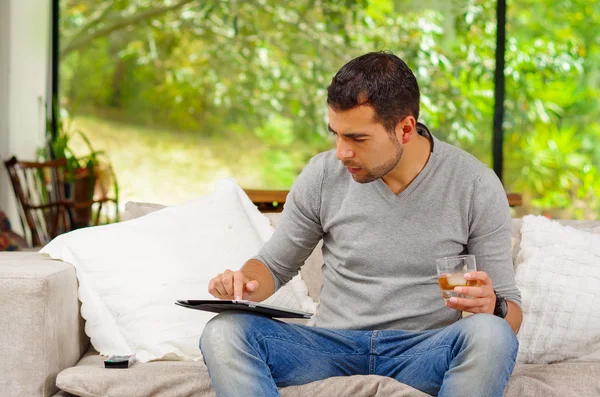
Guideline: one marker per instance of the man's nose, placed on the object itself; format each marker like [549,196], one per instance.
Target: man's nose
[343,152]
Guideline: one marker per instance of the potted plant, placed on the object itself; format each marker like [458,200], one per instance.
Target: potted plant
[89,177]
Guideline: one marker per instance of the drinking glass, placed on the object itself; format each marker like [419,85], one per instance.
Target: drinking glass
[451,273]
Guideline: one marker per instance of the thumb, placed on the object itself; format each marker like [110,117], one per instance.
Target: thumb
[252,286]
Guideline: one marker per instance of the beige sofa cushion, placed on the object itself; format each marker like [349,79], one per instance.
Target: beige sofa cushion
[190,379]
[555,380]
[159,379]
[41,330]
[62,393]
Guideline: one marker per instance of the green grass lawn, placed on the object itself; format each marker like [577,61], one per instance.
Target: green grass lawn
[162,166]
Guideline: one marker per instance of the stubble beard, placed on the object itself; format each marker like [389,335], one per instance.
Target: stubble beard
[379,171]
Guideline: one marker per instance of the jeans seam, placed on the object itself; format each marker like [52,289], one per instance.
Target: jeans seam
[372,355]
[308,347]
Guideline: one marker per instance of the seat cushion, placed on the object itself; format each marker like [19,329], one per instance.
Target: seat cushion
[62,393]
[190,379]
[89,378]
[555,380]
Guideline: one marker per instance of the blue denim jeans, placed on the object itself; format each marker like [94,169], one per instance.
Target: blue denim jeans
[251,355]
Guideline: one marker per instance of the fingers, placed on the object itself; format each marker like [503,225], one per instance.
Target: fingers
[471,292]
[468,305]
[477,299]
[215,288]
[232,285]
[227,281]
[482,277]
[238,285]
[221,287]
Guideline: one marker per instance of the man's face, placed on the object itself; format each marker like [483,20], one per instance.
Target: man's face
[363,145]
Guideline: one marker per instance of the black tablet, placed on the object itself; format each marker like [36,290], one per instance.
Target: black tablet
[218,306]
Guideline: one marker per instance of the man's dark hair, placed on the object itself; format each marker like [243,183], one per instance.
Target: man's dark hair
[378,79]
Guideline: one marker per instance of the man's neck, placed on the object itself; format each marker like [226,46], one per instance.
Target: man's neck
[415,157]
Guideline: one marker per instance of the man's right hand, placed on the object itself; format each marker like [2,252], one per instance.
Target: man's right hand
[232,285]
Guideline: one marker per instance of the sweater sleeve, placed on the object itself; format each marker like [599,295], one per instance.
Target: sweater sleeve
[490,234]
[299,230]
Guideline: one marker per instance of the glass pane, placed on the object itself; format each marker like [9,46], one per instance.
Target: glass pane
[181,93]
[552,152]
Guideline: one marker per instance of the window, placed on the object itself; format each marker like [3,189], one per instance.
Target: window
[182,93]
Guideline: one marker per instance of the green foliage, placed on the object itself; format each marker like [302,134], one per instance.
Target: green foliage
[552,108]
[282,160]
[60,146]
[94,163]
[219,68]
[87,79]
[556,172]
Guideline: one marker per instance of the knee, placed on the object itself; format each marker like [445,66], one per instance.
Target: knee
[490,334]
[221,332]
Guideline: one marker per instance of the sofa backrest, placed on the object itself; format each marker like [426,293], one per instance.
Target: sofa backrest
[311,271]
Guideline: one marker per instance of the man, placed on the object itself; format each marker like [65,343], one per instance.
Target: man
[387,202]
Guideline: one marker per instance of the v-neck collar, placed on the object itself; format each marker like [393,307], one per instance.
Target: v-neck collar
[385,191]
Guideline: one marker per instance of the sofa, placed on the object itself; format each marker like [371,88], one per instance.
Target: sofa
[45,351]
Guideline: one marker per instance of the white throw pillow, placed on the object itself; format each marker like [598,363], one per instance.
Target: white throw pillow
[558,273]
[130,273]
[293,295]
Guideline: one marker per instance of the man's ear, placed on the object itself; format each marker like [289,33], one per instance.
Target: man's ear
[405,129]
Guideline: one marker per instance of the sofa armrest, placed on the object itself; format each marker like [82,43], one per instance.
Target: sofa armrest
[41,330]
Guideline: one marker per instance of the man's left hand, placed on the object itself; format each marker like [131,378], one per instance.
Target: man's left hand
[481,299]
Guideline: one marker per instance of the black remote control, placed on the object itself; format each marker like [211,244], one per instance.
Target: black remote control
[119,361]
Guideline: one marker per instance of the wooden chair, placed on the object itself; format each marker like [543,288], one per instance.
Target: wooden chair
[50,203]
[43,207]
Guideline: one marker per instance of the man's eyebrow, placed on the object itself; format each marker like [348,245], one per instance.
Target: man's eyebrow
[352,135]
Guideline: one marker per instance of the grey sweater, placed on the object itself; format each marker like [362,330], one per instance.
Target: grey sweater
[380,248]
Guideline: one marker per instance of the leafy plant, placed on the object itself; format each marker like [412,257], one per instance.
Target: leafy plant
[94,165]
